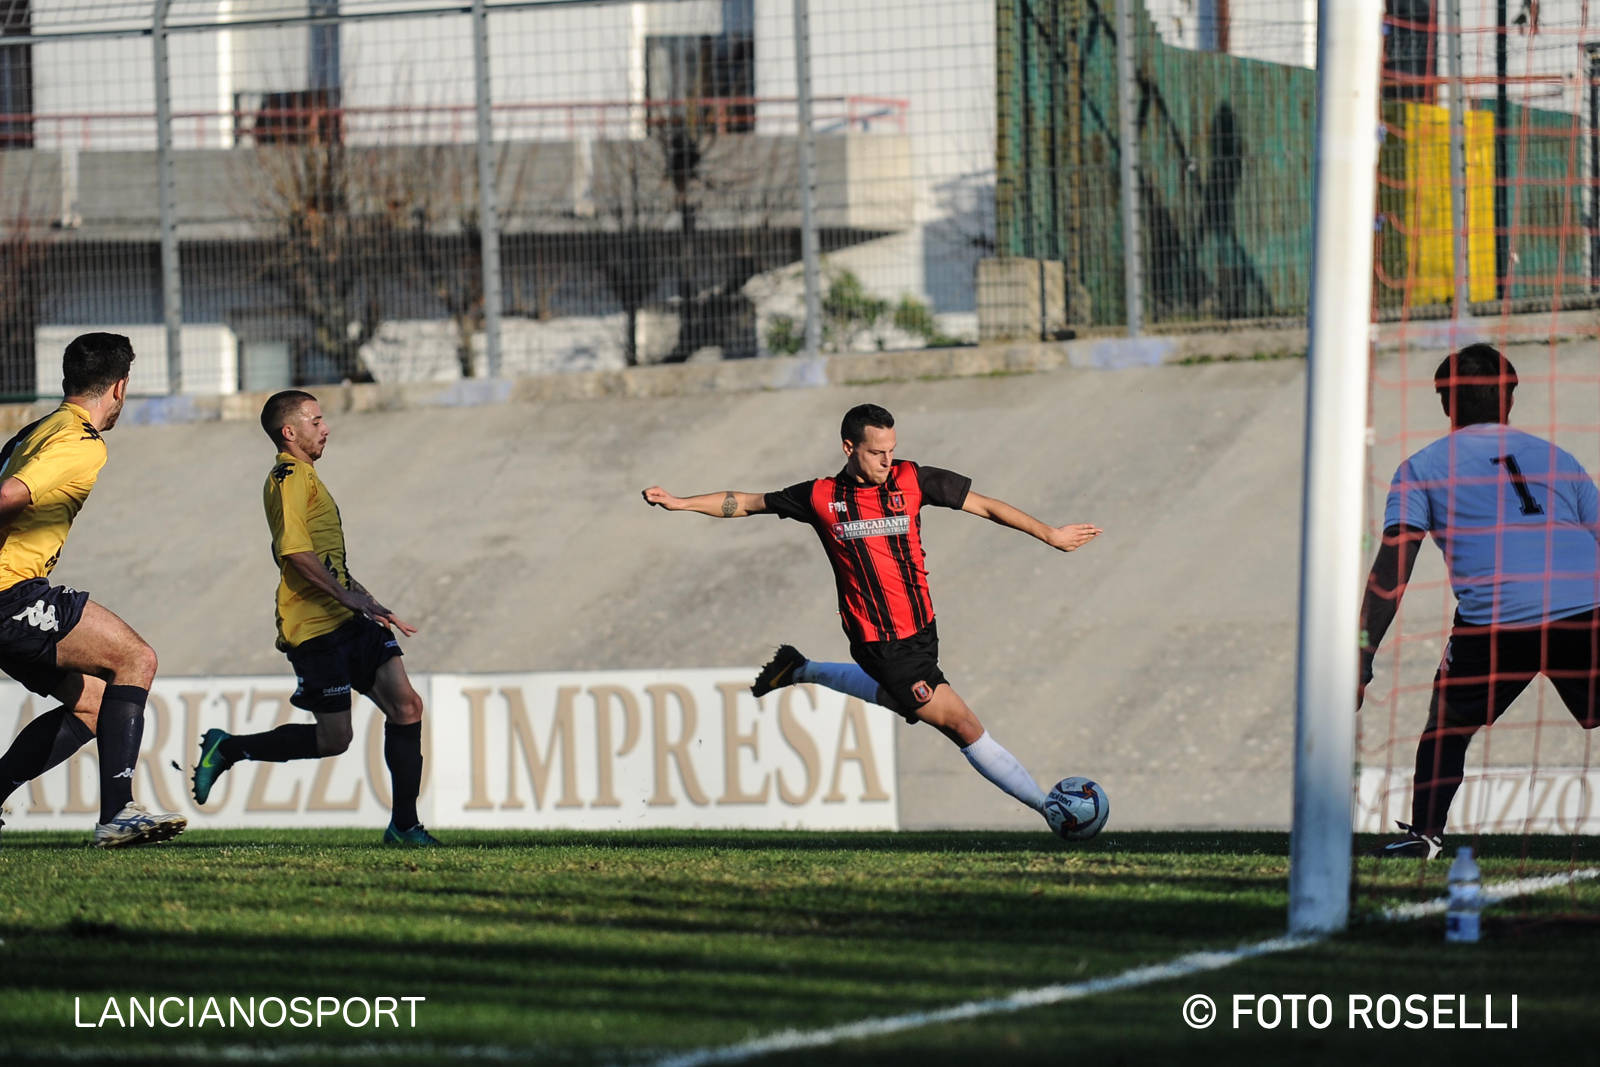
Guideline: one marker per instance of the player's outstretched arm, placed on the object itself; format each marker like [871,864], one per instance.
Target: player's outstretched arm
[1072,536]
[724,505]
[1386,584]
[358,599]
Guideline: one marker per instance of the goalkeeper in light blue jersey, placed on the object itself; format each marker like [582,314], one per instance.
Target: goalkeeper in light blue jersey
[1517,520]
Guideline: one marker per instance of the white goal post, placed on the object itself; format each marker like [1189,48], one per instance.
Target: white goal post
[1349,46]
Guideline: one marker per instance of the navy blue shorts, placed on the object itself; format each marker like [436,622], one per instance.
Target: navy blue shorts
[1485,668]
[327,668]
[34,617]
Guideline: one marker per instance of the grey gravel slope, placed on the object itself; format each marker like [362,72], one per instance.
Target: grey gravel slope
[1158,659]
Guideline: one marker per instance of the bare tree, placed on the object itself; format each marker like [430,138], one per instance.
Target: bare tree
[656,193]
[745,182]
[22,289]
[631,211]
[445,235]
[686,142]
[332,215]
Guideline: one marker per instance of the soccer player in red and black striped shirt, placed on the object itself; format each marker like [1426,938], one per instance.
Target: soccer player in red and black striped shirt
[868,519]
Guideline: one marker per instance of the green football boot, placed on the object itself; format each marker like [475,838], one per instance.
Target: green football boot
[211,764]
[416,837]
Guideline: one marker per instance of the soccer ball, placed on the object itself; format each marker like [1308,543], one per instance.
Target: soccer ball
[1076,808]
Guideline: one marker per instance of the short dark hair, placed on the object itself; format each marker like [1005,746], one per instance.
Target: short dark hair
[275,412]
[858,418]
[94,362]
[1476,384]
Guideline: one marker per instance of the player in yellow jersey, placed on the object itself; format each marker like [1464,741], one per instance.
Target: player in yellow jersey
[337,637]
[55,640]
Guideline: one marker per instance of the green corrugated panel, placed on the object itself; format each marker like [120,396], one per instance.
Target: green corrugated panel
[1008,128]
[1227,156]
[1226,147]
[1098,178]
[1545,164]
[1031,126]
[1039,128]
[1391,254]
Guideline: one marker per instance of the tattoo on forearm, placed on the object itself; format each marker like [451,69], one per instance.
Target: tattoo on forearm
[730,504]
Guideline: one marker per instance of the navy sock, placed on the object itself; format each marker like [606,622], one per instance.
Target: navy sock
[46,741]
[120,730]
[72,736]
[402,751]
[290,741]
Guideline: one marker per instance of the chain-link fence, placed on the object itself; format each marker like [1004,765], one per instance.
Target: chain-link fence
[266,192]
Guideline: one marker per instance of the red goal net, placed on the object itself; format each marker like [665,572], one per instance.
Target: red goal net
[1488,233]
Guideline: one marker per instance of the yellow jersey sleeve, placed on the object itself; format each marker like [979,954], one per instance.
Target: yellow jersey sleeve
[59,459]
[67,459]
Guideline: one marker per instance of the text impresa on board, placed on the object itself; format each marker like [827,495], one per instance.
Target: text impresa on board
[591,749]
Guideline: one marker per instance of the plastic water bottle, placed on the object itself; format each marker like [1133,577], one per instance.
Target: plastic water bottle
[1466,898]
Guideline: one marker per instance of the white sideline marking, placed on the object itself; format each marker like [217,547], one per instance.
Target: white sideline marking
[790,1040]
[1183,966]
[1492,894]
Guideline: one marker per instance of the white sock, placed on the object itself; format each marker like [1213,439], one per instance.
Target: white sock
[847,678]
[990,759]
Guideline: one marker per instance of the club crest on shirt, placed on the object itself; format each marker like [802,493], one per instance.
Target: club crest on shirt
[897,501]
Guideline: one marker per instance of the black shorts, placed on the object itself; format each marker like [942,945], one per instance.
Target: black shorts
[34,617]
[328,667]
[1485,668]
[907,669]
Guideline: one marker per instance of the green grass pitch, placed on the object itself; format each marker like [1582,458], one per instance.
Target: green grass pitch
[570,948]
